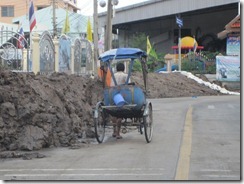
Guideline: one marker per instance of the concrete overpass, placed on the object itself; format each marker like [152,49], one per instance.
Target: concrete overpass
[156,18]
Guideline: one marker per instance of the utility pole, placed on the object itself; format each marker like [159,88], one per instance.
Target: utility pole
[95,35]
[108,36]
[54,18]
[179,49]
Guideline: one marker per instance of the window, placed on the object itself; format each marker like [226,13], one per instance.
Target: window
[41,7]
[7,11]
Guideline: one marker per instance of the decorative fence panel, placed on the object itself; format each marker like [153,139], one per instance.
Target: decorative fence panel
[86,57]
[47,53]
[12,48]
[77,56]
[64,54]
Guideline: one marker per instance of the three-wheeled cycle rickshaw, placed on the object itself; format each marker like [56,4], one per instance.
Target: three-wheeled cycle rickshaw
[127,101]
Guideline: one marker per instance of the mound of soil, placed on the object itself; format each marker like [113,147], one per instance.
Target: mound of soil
[38,111]
[169,85]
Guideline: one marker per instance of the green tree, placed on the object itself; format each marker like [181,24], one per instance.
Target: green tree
[139,40]
[137,66]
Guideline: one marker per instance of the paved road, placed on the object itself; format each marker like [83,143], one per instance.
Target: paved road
[193,139]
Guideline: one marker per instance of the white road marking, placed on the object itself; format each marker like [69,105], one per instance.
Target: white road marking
[222,176]
[211,107]
[95,169]
[116,174]
[214,170]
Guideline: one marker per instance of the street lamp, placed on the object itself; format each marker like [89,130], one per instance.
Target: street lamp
[102,3]
[108,34]
[115,2]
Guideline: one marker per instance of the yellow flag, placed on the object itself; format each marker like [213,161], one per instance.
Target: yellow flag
[66,27]
[89,31]
[151,51]
[148,46]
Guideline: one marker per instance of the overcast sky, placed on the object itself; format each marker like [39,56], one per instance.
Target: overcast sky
[86,6]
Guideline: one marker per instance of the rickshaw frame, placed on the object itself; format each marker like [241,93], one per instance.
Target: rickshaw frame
[141,118]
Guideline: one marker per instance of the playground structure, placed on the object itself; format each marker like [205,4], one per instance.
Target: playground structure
[190,52]
[189,46]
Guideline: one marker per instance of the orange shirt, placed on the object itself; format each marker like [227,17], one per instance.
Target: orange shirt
[108,76]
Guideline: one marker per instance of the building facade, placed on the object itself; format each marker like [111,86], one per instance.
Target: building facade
[202,19]
[10,9]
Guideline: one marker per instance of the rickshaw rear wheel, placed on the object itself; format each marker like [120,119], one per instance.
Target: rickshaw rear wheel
[99,122]
[148,124]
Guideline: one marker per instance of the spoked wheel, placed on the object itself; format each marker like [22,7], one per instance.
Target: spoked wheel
[148,123]
[99,122]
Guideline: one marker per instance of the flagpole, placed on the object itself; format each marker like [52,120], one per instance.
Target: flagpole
[95,35]
[179,21]
[29,51]
[194,50]
[32,22]
[179,47]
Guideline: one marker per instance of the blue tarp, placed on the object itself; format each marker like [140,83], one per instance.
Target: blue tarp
[78,22]
[122,53]
[173,67]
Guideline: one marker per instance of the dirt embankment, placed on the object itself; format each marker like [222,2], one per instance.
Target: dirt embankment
[43,111]
[169,85]
[39,111]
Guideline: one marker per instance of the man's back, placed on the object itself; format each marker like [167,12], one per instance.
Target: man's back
[120,78]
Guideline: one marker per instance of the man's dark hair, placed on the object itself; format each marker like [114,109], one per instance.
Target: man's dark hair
[120,67]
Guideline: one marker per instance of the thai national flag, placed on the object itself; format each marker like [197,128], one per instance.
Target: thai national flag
[32,18]
[21,41]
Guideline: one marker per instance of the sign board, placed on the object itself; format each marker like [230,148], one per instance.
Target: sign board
[179,21]
[227,68]
[233,45]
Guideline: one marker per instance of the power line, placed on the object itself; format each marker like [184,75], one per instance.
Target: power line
[86,6]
